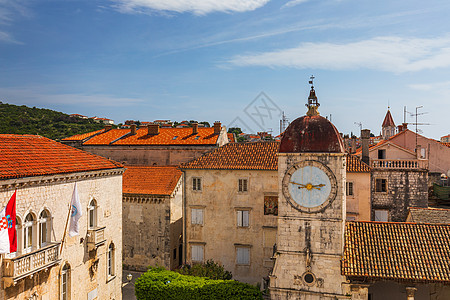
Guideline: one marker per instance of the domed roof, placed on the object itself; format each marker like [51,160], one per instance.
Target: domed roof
[311,134]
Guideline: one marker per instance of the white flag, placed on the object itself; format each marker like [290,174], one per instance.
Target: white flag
[75,213]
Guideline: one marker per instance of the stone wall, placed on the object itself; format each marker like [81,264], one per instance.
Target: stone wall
[405,188]
[152,229]
[219,234]
[88,270]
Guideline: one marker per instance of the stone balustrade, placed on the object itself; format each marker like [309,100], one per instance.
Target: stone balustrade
[95,237]
[28,264]
[399,163]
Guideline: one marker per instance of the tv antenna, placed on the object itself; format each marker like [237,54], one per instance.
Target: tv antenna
[359,125]
[284,123]
[416,123]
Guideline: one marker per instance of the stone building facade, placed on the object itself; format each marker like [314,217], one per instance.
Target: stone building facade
[231,208]
[49,264]
[395,190]
[152,217]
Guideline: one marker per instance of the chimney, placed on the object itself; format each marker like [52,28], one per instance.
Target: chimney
[217,127]
[365,135]
[400,128]
[133,129]
[195,128]
[153,129]
[405,126]
[108,127]
[353,145]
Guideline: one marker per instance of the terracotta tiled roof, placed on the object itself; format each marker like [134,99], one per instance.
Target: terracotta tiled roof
[166,136]
[150,180]
[388,120]
[429,215]
[81,137]
[446,144]
[397,251]
[30,155]
[239,156]
[355,165]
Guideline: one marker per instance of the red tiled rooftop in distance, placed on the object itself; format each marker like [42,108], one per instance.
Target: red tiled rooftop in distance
[30,155]
[80,137]
[239,156]
[107,137]
[397,251]
[355,165]
[150,180]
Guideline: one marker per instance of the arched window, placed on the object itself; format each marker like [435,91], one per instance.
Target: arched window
[111,271]
[92,216]
[65,282]
[28,233]
[44,228]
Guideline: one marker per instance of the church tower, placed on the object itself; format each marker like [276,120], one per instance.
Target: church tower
[388,126]
[311,209]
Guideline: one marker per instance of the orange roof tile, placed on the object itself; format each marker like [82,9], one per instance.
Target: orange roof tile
[355,165]
[446,144]
[397,251]
[239,156]
[80,137]
[166,136]
[150,180]
[31,155]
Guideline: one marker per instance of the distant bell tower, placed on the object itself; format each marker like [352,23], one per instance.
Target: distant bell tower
[311,209]
[388,126]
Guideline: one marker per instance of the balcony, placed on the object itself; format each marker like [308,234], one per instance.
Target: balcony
[95,237]
[28,264]
[410,164]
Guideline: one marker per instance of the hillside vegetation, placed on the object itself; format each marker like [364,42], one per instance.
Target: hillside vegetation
[45,122]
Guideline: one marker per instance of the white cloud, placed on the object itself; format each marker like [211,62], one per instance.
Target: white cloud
[198,7]
[441,88]
[391,54]
[294,3]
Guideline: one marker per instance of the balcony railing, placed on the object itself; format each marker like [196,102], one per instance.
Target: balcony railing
[399,163]
[96,237]
[28,264]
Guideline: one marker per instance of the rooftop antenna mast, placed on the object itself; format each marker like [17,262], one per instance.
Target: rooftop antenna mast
[284,123]
[359,125]
[416,123]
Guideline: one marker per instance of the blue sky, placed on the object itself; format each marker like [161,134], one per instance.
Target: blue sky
[238,62]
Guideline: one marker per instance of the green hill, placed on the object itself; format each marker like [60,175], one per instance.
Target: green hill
[45,122]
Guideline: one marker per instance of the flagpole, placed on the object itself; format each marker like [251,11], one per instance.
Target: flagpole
[65,228]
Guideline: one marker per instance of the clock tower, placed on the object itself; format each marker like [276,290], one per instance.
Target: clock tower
[311,209]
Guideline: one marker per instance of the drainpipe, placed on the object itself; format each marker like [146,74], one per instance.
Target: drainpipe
[184,217]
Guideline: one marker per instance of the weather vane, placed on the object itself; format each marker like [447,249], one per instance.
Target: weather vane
[311,82]
[313,104]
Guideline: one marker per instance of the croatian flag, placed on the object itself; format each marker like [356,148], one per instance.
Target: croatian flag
[8,236]
[75,213]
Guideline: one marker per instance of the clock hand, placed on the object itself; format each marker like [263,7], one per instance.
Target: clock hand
[318,186]
[301,185]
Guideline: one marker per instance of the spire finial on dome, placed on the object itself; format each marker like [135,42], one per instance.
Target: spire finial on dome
[313,104]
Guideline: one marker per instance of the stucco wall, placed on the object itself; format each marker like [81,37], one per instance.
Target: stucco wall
[219,232]
[56,196]
[358,204]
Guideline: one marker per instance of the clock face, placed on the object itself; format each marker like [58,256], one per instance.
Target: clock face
[309,186]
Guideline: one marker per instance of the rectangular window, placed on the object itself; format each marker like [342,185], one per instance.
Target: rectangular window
[197,216]
[243,184]
[175,253]
[242,255]
[243,218]
[381,215]
[197,253]
[381,153]
[380,185]
[349,190]
[196,184]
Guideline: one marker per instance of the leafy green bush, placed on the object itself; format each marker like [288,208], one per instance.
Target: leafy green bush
[211,269]
[158,283]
